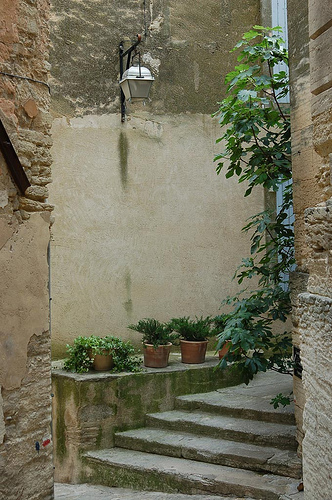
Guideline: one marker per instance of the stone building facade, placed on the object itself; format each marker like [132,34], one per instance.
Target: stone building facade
[25,389]
[310,34]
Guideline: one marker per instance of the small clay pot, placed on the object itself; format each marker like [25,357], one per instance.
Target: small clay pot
[156,357]
[193,352]
[102,362]
[225,348]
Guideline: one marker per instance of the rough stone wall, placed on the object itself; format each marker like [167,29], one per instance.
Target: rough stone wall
[304,190]
[186,48]
[312,147]
[142,219]
[25,410]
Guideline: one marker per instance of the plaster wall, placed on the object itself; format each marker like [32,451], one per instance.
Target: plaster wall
[25,368]
[143,223]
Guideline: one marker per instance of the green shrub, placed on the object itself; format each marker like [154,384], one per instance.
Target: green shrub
[193,330]
[82,353]
[154,332]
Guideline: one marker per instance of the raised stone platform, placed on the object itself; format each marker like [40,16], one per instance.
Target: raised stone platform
[226,442]
[89,408]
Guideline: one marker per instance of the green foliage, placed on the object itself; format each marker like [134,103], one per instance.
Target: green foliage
[78,358]
[219,322]
[281,400]
[192,329]
[82,353]
[125,358]
[154,332]
[256,149]
[257,139]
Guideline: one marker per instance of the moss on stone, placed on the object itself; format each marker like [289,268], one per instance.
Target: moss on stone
[99,436]
[62,389]
[123,146]
[109,476]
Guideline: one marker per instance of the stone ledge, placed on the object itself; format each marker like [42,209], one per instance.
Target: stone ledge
[175,365]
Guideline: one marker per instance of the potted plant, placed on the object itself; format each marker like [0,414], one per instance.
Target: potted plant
[157,341]
[219,324]
[194,335]
[101,354]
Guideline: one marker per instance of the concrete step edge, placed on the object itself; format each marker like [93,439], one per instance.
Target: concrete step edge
[224,407]
[211,450]
[233,429]
[87,491]
[122,468]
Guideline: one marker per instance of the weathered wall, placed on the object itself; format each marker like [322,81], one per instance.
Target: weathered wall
[25,412]
[185,47]
[145,235]
[312,152]
[142,220]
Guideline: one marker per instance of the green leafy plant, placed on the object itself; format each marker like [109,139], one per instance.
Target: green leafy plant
[282,400]
[256,149]
[78,357]
[257,138]
[81,354]
[193,330]
[219,322]
[154,332]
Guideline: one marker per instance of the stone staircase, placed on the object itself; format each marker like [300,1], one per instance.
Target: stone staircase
[227,442]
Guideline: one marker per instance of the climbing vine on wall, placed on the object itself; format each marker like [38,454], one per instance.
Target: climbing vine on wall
[256,148]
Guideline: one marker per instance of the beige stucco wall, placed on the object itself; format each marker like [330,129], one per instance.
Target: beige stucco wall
[143,223]
[142,220]
[24,276]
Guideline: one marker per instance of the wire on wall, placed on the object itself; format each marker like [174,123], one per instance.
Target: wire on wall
[26,78]
[145,24]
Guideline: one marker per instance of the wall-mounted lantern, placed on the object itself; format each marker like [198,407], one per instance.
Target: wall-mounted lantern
[136,80]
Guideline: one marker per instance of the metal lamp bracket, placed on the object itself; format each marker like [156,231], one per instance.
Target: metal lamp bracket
[123,53]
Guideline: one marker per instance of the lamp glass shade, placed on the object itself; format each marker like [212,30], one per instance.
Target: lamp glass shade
[136,83]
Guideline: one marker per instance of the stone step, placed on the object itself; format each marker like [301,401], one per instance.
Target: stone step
[148,471]
[211,450]
[239,402]
[63,491]
[223,427]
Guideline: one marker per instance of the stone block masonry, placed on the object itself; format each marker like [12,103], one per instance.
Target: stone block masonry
[26,467]
[311,141]
[315,328]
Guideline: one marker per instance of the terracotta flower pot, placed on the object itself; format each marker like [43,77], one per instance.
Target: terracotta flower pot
[156,358]
[225,348]
[102,362]
[193,352]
